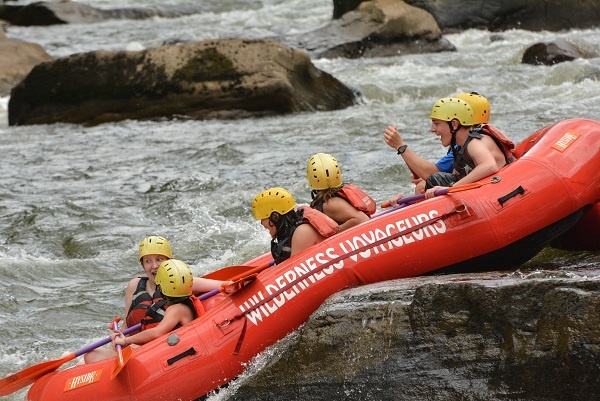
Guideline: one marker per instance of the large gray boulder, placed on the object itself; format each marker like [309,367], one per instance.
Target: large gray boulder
[17,60]
[490,337]
[552,52]
[499,15]
[68,12]
[376,28]
[224,78]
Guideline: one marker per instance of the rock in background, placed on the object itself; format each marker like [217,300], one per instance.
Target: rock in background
[209,79]
[499,15]
[18,58]
[44,13]
[377,28]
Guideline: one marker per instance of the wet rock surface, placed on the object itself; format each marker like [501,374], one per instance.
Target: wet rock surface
[226,78]
[553,52]
[18,58]
[69,12]
[499,15]
[492,337]
[376,28]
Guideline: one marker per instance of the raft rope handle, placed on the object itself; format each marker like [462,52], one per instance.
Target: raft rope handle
[188,352]
[331,262]
[503,199]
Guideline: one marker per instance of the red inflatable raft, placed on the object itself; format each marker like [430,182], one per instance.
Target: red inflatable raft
[503,222]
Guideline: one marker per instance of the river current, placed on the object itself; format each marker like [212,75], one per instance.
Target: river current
[76,201]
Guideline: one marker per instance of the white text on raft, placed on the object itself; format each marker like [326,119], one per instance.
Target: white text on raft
[292,282]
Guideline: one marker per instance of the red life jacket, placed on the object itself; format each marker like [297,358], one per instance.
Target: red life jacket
[324,224]
[358,198]
[140,304]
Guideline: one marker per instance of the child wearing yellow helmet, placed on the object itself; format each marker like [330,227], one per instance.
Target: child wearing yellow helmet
[142,292]
[276,210]
[345,203]
[174,280]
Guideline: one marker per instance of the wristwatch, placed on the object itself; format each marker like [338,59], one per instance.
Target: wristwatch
[401,149]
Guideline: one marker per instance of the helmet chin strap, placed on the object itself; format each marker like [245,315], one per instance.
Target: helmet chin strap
[453,131]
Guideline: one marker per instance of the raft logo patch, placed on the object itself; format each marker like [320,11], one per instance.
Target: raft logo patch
[567,140]
[83,380]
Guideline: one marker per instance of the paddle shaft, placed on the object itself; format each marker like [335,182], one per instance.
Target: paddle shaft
[232,272]
[106,340]
[443,191]
[27,376]
[118,347]
[254,270]
[412,199]
[130,330]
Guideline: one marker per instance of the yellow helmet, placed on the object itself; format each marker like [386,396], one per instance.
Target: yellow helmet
[155,245]
[175,278]
[323,172]
[481,106]
[277,199]
[449,108]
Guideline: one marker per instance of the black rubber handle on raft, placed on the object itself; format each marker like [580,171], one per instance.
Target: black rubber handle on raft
[505,198]
[176,358]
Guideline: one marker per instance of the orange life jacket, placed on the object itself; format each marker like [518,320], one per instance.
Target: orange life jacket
[324,224]
[358,198]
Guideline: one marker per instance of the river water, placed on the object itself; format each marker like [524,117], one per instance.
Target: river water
[77,200]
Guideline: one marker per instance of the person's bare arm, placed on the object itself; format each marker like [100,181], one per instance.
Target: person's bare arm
[174,315]
[305,236]
[423,168]
[484,159]
[343,213]
[201,285]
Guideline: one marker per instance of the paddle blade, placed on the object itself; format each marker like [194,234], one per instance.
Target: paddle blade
[120,361]
[25,377]
[227,273]
[233,273]
[464,187]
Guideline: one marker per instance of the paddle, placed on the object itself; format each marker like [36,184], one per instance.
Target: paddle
[123,354]
[444,191]
[244,273]
[233,273]
[27,376]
